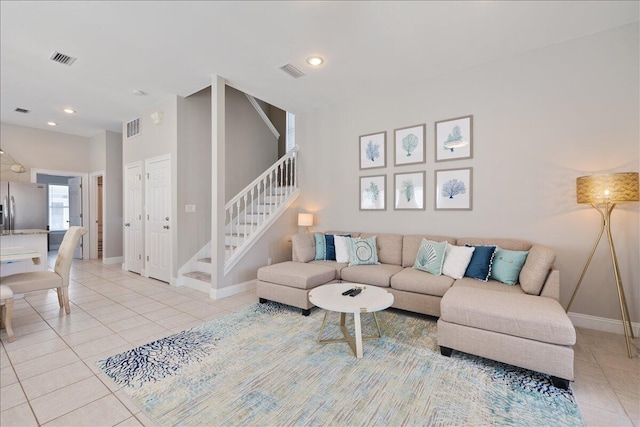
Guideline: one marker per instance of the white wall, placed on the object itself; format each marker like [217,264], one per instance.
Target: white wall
[541,119]
[41,149]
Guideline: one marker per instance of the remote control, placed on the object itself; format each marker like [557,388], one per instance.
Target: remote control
[348,292]
[355,292]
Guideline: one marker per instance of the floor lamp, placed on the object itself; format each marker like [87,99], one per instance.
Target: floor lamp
[603,192]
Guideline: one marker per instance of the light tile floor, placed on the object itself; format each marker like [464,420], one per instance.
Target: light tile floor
[48,374]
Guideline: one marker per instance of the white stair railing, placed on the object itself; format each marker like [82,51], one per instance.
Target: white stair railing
[248,212]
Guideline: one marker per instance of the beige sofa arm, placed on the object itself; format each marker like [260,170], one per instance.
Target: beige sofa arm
[551,286]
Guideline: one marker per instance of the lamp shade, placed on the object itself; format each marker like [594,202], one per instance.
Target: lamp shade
[609,188]
[305,220]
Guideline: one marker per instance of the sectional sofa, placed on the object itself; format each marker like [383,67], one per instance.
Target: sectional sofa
[522,325]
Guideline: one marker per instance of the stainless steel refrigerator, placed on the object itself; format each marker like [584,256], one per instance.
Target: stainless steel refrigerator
[23,206]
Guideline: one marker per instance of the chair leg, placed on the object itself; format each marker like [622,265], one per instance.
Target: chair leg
[65,299]
[8,312]
[59,290]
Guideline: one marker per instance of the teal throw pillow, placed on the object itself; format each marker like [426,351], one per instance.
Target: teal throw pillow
[430,257]
[507,265]
[320,246]
[363,251]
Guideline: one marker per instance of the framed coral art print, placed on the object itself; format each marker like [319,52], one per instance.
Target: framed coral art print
[454,139]
[373,150]
[372,193]
[410,145]
[409,191]
[454,189]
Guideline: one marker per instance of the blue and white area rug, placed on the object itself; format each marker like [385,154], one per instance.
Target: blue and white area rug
[263,366]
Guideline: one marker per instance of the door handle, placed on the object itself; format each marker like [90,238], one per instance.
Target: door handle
[127,224]
[166,227]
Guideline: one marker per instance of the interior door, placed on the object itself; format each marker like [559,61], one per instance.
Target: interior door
[158,207]
[75,209]
[133,217]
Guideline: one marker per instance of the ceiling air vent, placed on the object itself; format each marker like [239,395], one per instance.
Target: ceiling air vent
[292,71]
[21,110]
[133,128]
[62,58]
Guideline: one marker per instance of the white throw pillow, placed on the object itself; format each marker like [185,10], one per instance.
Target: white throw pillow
[456,260]
[342,248]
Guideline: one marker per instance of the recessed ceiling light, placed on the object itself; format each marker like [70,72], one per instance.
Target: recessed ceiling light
[315,60]
[69,111]
[52,123]
[138,92]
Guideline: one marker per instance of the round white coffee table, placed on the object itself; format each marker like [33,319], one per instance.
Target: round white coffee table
[369,300]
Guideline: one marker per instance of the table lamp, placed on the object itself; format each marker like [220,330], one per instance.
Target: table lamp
[604,192]
[305,220]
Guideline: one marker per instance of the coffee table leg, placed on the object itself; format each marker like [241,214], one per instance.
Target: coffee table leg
[358,334]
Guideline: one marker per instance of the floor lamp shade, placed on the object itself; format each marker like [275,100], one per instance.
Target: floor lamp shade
[609,188]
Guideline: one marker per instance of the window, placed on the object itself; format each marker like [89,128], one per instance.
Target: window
[58,207]
[291,131]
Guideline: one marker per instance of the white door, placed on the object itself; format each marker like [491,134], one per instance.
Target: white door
[75,209]
[133,217]
[158,207]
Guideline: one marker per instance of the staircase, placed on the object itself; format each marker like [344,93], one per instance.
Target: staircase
[247,216]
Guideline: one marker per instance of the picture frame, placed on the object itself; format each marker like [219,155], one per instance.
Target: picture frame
[373,150]
[454,139]
[373,196]
[410,191]
[454,189]
[410,144]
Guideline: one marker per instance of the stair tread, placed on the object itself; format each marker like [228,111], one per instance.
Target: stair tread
[199,275]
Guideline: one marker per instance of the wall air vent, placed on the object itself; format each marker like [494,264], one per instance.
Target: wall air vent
[133,128]
[292,71]
[21,110]
[62,58]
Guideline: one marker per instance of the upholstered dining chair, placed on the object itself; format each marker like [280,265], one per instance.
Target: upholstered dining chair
[57,279]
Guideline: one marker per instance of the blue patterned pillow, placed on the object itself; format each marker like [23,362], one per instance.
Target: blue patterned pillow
[480,264]
[320,246]
[363,251]
[430,257]
[330,246]
[507,265]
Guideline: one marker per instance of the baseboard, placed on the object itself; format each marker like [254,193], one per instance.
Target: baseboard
[232,290]
[601,323]
[112,260]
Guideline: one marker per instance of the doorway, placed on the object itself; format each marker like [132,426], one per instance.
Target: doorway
[97,226]
[70,206]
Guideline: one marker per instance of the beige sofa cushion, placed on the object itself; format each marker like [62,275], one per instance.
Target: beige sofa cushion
[377,275]
[411,244]
[526,316]
[303,247]
[536,269]
[491,285]
[296,274]
[412,280]
[337,266]
[509,244]
[389,247]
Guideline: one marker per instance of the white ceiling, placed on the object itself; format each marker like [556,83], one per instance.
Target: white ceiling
[165,48]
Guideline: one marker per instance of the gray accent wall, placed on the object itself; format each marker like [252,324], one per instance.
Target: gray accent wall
[112,186]
[541,119]
[194,174]
[250,146]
